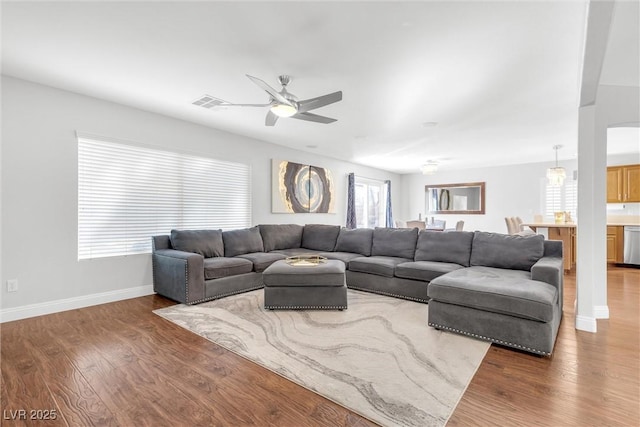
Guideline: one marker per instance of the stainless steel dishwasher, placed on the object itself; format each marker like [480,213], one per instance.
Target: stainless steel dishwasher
[632,244]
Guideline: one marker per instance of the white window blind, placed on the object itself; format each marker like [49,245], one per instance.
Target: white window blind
[128,193]
[553,200]
[561,199]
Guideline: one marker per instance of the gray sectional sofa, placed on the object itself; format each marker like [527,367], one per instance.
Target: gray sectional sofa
[505,289]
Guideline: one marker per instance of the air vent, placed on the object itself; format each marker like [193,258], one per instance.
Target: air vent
[208,101]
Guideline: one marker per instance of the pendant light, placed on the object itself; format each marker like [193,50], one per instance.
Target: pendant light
[557,174]
[429,168]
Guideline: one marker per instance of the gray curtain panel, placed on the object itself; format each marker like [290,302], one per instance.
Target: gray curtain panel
[389,220]
[351,201]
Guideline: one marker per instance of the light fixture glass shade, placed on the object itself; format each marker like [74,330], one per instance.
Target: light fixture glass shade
[429,168]
[556,176]
[283,110]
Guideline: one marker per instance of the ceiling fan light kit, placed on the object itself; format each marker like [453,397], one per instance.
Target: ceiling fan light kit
[283,110]
[281,103]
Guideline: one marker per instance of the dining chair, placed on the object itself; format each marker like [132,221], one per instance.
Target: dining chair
[511,225]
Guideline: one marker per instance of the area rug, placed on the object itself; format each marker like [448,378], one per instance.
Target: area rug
[378,358]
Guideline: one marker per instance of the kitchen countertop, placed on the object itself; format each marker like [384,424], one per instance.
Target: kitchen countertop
[571,225]
[549,225]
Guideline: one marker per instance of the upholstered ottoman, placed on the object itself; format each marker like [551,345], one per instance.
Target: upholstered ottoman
[318,287]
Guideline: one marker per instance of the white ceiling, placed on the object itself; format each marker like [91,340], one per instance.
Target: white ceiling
[501,79]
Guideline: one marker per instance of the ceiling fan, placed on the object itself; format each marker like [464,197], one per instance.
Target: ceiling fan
[281,103]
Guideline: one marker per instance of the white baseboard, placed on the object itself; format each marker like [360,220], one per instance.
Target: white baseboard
[588,324]
[601,311]
[40,309]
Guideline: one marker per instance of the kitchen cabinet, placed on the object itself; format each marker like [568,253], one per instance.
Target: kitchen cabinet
[615,244]
[623,184]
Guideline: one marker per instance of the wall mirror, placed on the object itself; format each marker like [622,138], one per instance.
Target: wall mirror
[464,198]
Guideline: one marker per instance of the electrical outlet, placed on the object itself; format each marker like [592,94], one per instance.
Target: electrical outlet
[12,285]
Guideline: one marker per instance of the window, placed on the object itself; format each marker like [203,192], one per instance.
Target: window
[561,199]
[371,201]
[128,193]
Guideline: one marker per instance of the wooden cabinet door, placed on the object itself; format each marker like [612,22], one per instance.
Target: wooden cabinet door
[631,179]
[612,244]
[615,188]
[615,244]
[574,247]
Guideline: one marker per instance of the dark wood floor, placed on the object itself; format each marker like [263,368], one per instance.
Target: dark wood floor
[119,364]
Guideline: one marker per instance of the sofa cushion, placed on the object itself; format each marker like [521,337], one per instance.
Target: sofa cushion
[453,247]
[345,257]
[358,241]
[296,252]
[207,243]
[504,251]
[424,270]
[262,260]
[378,265]
[487,288]
[242,241]
[281,236]
[394,242]
[320,237]
[216,268]
[280,274]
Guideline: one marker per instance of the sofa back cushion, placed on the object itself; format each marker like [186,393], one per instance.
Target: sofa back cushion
[454,246]
[320,237]
[357,241]
[396,242]
[242,241]
[504,251]
[207,243]
[281,236]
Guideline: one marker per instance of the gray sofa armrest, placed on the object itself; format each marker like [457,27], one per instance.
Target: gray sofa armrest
[549,269]
[179,275]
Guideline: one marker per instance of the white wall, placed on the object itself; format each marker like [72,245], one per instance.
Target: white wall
[39,187]
[515,190]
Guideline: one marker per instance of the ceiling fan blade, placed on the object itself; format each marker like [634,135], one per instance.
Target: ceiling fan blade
[208,101]
[320,101]
[271,119]
[313,118]
[245,105]
[271,91]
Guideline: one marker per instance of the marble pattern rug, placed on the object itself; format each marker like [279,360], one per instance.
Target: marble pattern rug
[378,358]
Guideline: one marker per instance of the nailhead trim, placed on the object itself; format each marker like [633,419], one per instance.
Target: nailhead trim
[388,293]
[306,307]
[497,341]
[186,281]
[225,295]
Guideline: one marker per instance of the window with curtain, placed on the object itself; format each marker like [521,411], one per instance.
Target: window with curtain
[370,203]
[128,193]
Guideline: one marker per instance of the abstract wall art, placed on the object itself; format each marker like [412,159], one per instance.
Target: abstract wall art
[298,188]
